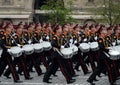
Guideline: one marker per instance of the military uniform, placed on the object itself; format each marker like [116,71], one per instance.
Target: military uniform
[6,58]
[57,61]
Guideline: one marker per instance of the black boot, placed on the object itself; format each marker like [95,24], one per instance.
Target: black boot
[7,76]
[47,81]
[90,82]
[70,81]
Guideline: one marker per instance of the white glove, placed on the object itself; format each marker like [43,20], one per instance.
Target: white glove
[18,45]
[22,50]
[71,40]
[12,41]
[85,40]
[8,50]
[96,38]
[47,37]
[118,41]
[70,44]
[113,43]
[78,33]
[89,43]
[29,41]
[75,41]
[41,40]
[62,46]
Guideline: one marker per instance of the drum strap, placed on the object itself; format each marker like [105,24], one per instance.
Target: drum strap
[106,54]
[55,49]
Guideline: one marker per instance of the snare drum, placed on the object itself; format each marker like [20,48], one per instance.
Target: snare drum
[37,47]
[67,53]
[46,45]
[94,46]
[75,49]
[114,55]
[15,51]
[28,49]
[84,47]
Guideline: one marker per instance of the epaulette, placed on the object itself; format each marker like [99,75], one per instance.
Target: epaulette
[100,40]
[16,36]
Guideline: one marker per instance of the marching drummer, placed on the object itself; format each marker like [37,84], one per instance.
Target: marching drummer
[18,41]
[85,38]
[78,58]
[104,60]
[6,58]
[57,60]
[30,59]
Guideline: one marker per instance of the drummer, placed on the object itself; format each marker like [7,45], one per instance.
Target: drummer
[30,59]
[68,38]
[78,58]
[85,38]
[6,58]
[104,60]
[57,60]
[18,41]
[38,34]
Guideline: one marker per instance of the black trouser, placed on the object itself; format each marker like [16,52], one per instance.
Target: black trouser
[80,61]
[22,66]
[53,67]
[57,62]
[32,62]
[6,59]
[105,63]
[97,71]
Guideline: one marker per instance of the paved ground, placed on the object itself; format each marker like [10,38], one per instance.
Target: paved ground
[60,80]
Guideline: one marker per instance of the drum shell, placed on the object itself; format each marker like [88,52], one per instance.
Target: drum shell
[45,47]
[16,54]
[84,50]
[74,49]
[38,50]
[69,54]
[114,57]
[28,52]
[95,49]
[94,46]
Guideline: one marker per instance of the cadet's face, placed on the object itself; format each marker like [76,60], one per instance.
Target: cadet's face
[104,32]
[77,29]
[8,30]
[59,31]
[109,31]
[31,29]
[65,29]
[20,30]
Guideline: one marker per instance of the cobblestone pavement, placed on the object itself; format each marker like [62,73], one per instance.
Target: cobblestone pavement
[60,80]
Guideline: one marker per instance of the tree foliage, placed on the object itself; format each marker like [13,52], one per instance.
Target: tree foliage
[109,11]
[57,12]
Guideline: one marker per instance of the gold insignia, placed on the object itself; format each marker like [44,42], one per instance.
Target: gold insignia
[54,38]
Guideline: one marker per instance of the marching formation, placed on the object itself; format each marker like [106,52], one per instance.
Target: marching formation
[66,47]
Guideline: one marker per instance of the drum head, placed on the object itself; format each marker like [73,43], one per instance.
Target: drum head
[114,53]
[15,50]
[66,51]
[37,46]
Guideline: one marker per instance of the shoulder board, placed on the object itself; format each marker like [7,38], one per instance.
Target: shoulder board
[16,36]
[100,40]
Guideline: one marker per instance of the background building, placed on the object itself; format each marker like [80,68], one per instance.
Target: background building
[28,10]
